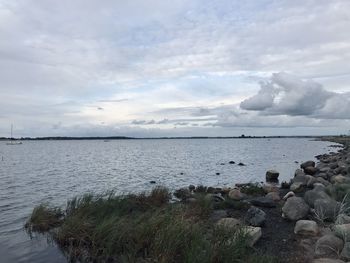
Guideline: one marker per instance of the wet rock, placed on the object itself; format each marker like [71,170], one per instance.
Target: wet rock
[306,227]
[241,164]
[307,164]
[310,170]
[228,222]
[217,173]
[329,246]
[295,208]
[274,196]
[235,194]
[253,233]
[191,187]
[272,175]
[231,162]
[255,216]
[263,202]
[326,209]
[152,182]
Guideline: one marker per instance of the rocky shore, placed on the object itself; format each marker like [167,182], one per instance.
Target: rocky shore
[304,220]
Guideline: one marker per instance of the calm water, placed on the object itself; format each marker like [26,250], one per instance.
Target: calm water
[52,171]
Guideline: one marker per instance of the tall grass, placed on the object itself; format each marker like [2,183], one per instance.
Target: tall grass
[110,228]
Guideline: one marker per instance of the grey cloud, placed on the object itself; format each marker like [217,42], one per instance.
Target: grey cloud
[285,94]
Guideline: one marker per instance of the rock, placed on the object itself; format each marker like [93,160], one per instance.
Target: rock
[301,178]
[182,193]
[339,179]
[288,195]
[228,222]
[306,227]
[191,187]
[322,175]
[322,181]
[328,246]
[268,188]
[310,170]
[231,162]
[342,231]
[298,172]
[235,194]
[333,165]
[241,164]
[326,209]
[255,216]
[345,253]
[253,233]
[217,173]
[272,175]
[217,198]
[274,196]
[297,187]
[307,164]
[327,260]
[312,195]
[216,215]
[263,202]
[152,182]
[342,219]
[295,208]
[310,183]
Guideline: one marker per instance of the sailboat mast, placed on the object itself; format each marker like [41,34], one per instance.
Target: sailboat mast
[11,131]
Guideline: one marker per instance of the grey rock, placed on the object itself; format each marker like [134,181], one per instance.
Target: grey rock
[329,246]
[295,208]
[345,253]
[255,216]
[312,195]
[327,260]
[274,196]
[307,164]
[342,231]
[322,181]
[253,233]
[298,172]
[301,178]
[228,222]
[342,219]
[296,187]
[263,202]
[306,227]
[310,170]
[322,175]
[272,175]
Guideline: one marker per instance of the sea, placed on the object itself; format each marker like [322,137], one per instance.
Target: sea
[54,171]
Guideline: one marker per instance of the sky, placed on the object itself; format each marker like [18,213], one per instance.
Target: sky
[148,68]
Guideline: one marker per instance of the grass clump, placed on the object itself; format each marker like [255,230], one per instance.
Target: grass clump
[44,218]
[146,228]
[253,189]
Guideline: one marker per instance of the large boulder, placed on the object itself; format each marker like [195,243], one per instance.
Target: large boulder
[255,216]
[329,246]
[275,196]
[297,187]
[235,194]
[326,209]
[295,208]
[312,195]
[253,234]
[307,164]
[310,170]
[306,227]
[272,175]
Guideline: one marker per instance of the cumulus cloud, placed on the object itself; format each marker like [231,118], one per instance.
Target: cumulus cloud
[285,94]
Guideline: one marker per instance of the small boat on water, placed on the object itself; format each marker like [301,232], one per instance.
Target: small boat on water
[12,140]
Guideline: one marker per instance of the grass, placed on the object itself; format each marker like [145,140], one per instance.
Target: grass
[141,228]
[252,189]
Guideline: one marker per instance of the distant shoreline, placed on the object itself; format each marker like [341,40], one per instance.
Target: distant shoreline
[66,138]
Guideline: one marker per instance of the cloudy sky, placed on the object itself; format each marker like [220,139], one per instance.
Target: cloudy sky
[174,68]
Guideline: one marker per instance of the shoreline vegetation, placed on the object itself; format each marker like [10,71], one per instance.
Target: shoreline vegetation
[304,220]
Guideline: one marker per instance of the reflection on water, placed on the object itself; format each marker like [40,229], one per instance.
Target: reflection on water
[52,171]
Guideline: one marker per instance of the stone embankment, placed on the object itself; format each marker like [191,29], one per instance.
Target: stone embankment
[304,220]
